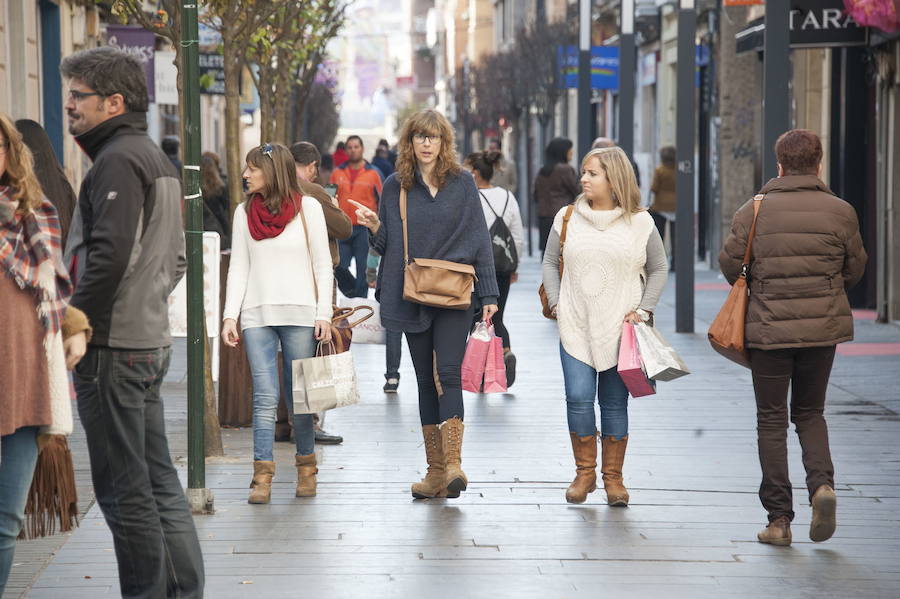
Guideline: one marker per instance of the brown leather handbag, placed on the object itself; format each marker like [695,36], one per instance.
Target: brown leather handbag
[436,283]
[726,333]
[542,293]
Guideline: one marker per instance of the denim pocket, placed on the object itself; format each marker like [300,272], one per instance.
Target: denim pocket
[133,374]
[88,368]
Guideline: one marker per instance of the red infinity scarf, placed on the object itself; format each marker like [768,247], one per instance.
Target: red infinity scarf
[265,225]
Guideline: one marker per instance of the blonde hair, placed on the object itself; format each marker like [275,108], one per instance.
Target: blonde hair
[19,174]
[433,123]
[279,172]
[620,174]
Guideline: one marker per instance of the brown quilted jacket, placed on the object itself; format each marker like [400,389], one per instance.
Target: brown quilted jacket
[806,254]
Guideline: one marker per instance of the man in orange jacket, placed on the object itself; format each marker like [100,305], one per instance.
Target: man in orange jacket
[359,181]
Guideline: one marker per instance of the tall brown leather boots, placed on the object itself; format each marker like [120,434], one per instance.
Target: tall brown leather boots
[434,483]
[306,475]
[585,450]
[612,460]
[452,438]
[261,485]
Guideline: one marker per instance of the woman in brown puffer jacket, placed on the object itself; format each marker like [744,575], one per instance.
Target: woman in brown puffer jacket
[807,252]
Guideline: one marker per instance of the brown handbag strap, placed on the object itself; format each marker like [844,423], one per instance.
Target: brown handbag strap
[405,231]
[562,235]
[312,269]
[757,202]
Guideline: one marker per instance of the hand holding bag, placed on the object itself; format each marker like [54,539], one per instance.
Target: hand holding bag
[661,361]
[436,283]
[726,333]
[546,308]
[630,366]
[324,382]
[475,358]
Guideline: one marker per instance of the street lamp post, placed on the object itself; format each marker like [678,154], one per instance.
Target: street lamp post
[199,497]
[584,77]
[627,64]
[684,154]
[776,74]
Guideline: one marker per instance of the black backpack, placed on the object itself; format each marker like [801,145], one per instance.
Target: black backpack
[506,258]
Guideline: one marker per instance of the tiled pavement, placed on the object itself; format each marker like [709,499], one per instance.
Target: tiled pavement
[691,468]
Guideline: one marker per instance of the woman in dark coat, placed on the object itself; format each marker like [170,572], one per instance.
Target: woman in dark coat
[555,186]
[49,173]
[807,251]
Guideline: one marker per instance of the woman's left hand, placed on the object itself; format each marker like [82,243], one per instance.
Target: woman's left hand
[488,311]
[633,318]
[323,330]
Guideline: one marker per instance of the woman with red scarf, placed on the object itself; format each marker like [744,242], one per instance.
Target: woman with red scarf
[279,283]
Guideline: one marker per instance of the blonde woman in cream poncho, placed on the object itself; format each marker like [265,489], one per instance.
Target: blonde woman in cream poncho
[615,270]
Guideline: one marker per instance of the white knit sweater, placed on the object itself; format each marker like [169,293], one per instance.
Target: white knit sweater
[271,279]
[604,256]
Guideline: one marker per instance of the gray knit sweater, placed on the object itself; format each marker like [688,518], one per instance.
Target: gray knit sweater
[449,226]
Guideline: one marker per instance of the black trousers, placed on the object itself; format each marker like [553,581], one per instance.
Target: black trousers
[437,355]
[136,484]
[806,372]
[545,223]
[660,221]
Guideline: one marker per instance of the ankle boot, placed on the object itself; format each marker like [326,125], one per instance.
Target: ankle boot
[824,520]
[778,532]
[612,461]
[261,485]
[434,484]
[306,475]
[585,451]
[452,438]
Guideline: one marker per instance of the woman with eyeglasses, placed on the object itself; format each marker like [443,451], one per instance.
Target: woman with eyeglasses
[279,283]
[40,336]
[445,222]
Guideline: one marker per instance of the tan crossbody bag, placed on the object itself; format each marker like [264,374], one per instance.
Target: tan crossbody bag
[436,283]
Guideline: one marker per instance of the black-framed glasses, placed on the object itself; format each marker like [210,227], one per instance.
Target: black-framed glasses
[76,95]
[421,138]
[267,150]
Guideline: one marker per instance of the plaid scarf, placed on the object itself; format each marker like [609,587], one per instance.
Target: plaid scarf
[30,253]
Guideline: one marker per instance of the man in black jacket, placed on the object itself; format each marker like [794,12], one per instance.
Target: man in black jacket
[126,253]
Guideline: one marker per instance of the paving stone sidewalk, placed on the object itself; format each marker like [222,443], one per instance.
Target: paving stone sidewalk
[691,468]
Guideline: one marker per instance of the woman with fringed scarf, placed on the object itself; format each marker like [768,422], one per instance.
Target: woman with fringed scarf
[35,410]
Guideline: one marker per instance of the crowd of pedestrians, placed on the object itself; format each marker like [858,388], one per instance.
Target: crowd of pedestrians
[84,284]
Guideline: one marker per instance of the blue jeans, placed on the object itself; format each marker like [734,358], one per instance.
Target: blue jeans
[392,352]
[356,247]
[19,455]
[136,485]
[261,344]
[583,384]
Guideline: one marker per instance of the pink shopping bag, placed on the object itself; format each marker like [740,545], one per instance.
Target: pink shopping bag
[495,369]
[475,358]
[630,368]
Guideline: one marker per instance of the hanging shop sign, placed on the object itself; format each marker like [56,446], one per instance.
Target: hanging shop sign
[604,67]
[813,23]
[141,44]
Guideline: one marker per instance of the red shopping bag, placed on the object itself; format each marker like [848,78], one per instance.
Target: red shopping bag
[495,368]
[475,358]
[631,368]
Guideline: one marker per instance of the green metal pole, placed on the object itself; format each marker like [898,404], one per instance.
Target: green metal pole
[194,242]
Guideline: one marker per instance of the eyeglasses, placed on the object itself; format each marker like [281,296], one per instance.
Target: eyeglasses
[76,95]
[267,150]
[420,138]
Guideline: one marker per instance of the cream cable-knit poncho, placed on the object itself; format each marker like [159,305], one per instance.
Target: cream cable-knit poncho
[605,256]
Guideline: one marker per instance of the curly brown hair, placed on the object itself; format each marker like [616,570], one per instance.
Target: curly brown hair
[433,123]
[19,173]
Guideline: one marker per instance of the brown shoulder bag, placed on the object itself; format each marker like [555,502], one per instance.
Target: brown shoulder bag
[436,283]
[542,293]
[726,333]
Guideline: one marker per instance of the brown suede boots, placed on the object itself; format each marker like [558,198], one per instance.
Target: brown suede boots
[612,461]
[452,438]
[434,484]
[261,485]
[306,475]
[778,532]
[585,450]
